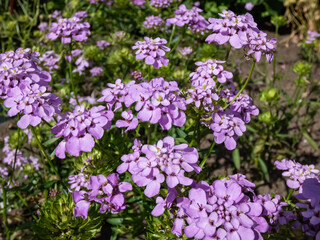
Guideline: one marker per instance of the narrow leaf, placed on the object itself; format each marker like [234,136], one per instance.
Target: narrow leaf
[236,158]
[310,140]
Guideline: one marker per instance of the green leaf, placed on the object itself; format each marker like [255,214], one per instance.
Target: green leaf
[310,140]
[264,169]
[50,141]
[115,221]
[181,140]
[49,183]
[181,133]
[236,158]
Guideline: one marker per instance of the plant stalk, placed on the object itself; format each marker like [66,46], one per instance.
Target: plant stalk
[45,153]
[244,86]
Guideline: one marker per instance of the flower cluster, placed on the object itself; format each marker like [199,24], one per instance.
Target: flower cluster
[70,28]
[164,161]
[43,26]
[23,86]
[87,99]
[139,2]
[108,2]
[137,75]
[241,31]
[273,210]
[312,36]
[249,6]
[50,59]
[308,219]
[78,129]
[189,17]
[218,211]
[185,51]
[107,191]
[156,102]
[227,124]
[208,71]
[153,23]
[160,3]
[296,172]
[16,159]
[152,51]
[96,71]
[102,44]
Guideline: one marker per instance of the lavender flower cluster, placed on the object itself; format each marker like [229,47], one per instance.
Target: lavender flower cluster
[241,32]
[164,161]
[107,191]
[152,51]
[153,23]
[296,172]
[223,210]
[78,129]
[160,3]
[24,88]
[16,160]
[157,101]
[227,124]
[70,28]
[191,18]
[312,36]
[50,59]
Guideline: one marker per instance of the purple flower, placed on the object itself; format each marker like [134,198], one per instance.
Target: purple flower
[107,191]
[137,75]
[56,14]
[153,23]
[152,51]
[162,162]
[78,129]
[68,28]
[191,18]
[16,159]
[34,103]
[50,59]
[185,51]
[139,2]
[249,6]
[43,26]
[312,36]
[102,44]
[78,182]
[241,32]
[160,3]
[96,71]
[296,172]
[156,102]
[219,211]
[130,122]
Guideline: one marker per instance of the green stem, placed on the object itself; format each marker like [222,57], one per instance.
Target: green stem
[208,154]
[290,194]
[172,33]
[244,86]
[227,55]
[4,212]
[45,153]
[47,123]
